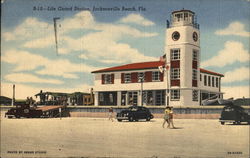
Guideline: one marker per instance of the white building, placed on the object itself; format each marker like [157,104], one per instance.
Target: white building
[176,80]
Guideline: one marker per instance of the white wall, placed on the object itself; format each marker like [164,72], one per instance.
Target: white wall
[118,86]
[209,88]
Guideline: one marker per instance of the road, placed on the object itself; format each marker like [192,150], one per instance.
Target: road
[98,137]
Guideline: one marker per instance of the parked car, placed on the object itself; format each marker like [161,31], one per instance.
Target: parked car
[23,111]
[234,114]
[135,113]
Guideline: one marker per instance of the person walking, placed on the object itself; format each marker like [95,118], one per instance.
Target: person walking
[111,114]
[166,117]
[171,117]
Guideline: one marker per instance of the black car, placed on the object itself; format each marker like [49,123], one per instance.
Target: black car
[234,114]
[134,113]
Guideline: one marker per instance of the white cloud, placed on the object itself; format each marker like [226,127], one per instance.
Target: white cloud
[29,78]
[233,52]
[26,61]
[40,42]
[239,74]
[235,28]
[22,90]
[137,19]
[29,28]
[235,91]
[100,46]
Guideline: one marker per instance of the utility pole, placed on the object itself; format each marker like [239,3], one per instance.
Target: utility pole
[141,80]
[55,30]
[13,96]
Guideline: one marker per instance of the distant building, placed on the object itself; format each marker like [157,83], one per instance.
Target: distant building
[5,100]
[58,98]
[176,79]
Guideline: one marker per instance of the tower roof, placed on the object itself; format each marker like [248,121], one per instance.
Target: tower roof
[183,10]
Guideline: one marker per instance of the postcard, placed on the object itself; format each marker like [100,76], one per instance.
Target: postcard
[118,79]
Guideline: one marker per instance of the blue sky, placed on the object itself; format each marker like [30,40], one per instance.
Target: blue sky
[89,40]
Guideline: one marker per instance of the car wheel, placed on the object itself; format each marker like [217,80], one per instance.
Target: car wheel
[222,123]
[148,119]
[119,120]
[130,119]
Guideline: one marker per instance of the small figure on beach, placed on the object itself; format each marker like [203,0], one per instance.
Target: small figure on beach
[166,116]
[111,114]
[171,117]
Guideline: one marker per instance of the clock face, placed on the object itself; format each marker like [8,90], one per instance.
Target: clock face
[175,36]
[195,36]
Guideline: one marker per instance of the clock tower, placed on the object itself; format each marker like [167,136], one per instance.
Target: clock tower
[182,49]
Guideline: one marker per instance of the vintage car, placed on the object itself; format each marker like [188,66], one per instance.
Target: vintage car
[134,113]
[234,114]
[23,111]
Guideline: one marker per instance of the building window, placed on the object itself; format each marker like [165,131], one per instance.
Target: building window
[175,54]
[213,81]
[107,79]
[101,97]
[156,76]
[209,81]
[111,98]
[127,78]
[141,75]
[195,95]
[200,77]
[217,82]
[160,97]
[175,94]
[175,73]
[194,76]
[195,55]
[205,80]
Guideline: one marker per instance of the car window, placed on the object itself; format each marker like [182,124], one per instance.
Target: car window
[134,109]
[228,109]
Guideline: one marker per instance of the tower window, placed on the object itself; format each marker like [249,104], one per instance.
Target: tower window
[195,95]
[195,55]
[156,76]
[175,73]
[175,95]
[185,16]
[194,76]
[175,54]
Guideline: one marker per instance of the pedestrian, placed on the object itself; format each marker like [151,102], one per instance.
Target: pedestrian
[166,116]
[111,114]
[171,117]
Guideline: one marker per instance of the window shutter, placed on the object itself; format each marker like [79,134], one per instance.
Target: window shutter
[148,76]
[134,76]
[112,78]
[194,83]
[122,77]
[103,79]
[161,76]
[175,82]
[194,65]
